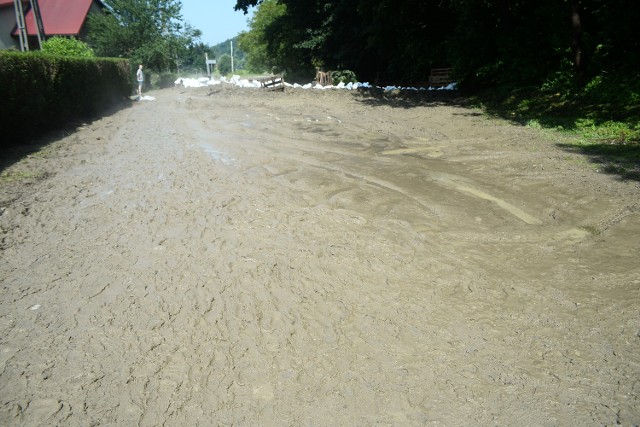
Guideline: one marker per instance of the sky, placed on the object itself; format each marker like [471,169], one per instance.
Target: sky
[215,18]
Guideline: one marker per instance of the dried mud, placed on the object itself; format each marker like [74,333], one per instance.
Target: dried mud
[235,257]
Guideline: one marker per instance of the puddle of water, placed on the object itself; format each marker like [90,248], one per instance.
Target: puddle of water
[220,156]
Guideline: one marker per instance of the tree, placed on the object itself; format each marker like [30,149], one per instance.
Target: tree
[287,35]
[369,37]
[402,40]
[263,53]
[244,5]
[64,46]
[490,43]
[146,31]
[576,39]
[224,64]
[194,57]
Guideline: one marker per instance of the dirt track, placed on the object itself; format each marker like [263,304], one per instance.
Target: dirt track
[235,257]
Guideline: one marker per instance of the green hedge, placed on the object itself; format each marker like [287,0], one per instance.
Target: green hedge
[40,92]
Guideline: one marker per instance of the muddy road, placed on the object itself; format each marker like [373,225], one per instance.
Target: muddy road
[222,256]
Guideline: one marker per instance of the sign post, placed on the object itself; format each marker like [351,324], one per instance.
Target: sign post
[209,63]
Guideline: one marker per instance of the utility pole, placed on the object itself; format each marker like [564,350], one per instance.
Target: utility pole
[22,29]
[231,56]
[37,16]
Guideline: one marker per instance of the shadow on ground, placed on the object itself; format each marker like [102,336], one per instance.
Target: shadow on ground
[613,156]
[622,160]
[410,98]
[612,143]
[15,148]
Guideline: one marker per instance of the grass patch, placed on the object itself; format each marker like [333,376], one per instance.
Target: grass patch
[9,177]
[602,118]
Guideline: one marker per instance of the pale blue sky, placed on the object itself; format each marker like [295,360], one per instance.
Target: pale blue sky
[215,18]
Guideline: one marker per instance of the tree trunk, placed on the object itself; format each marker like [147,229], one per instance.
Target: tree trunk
[576,41]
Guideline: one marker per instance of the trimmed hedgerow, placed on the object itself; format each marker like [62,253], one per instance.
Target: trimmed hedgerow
[42,91]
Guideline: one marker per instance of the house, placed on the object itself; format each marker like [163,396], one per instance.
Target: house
[8,24]
[59,18]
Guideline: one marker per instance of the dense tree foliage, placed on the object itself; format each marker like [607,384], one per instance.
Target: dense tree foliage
[151,32]
[193,60]
[488,42]
[261,43]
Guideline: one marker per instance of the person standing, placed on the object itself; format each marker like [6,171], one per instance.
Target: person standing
[140,77]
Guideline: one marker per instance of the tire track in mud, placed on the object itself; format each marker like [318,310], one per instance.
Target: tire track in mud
[458,183]
[208,266]
[266,391]
[518,214]
[355,132]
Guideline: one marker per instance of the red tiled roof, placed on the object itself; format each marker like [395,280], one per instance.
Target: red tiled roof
[59,17]
[4,3]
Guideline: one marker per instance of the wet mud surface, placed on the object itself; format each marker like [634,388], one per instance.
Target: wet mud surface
[238,257]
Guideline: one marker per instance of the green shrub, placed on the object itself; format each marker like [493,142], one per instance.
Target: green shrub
[42,91]
[65,46]
[343,76]
[224,64]
[161,80]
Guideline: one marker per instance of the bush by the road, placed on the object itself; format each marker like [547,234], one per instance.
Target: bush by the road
[161,80]
[40,91]
[65,46]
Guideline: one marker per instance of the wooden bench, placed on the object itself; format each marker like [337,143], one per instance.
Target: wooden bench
[272,82]
[440,77]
